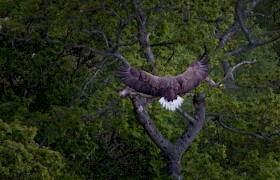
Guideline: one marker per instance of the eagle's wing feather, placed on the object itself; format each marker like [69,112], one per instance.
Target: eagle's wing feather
[139,80]
[167,87]
[191,78]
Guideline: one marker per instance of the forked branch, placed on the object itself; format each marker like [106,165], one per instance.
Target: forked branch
[228,74]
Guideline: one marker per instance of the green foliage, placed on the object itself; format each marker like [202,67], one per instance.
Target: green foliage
[66,100]
[22,158]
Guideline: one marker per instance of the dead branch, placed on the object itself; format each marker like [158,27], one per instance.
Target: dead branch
[241,17]
[127,91]
[186,115]
[242,63]
[229,73]
[244,10]
[212,82]
[259,136]
[140,106]
[142,34]
[100,34]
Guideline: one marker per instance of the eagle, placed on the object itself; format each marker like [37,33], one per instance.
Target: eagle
[168,88]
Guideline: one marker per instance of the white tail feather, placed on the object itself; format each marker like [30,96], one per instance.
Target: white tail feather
[171,105]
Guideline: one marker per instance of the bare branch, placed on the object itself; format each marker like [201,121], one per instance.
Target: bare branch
[212,82]
[228,74]
[253,5]
[101,35]
[127,91]
[122,24]
[101,112]
[105,54]
[88,82]
[226,36]
[121,58]
[244,10]
[93,76]
[259,136]
[240,16]
[167,45]
[140,106]
[193,129]
[269,33]
[186,115]
[143,35]
[111,10]
[96,51]
[250,46]
[242,63]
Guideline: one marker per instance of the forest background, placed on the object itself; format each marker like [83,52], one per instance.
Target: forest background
[61,116]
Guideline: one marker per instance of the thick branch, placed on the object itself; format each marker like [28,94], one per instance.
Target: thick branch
[195,127]
[121,58]
[226,35]
[240,16]
[250,46]
[243,11]
[127,91]
[186,115]
[140,106]
[143,35]
[186,12]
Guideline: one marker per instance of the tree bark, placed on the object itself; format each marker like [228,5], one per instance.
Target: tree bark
[173,159]
[229,82]
[172,152]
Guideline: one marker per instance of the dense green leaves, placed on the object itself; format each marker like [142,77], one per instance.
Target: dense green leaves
[61,113]
[21,157]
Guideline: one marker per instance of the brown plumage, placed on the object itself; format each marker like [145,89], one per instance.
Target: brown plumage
[167,87]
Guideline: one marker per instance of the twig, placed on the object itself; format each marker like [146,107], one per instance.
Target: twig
[100,34]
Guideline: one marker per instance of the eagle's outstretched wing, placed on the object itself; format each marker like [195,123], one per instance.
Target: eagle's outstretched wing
[167,87]
[139,80]
[195,74]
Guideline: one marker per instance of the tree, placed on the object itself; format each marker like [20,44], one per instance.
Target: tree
[56,74]
[236,28]
[22,157]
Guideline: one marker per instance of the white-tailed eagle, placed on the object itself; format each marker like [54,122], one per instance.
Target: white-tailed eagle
[167,87]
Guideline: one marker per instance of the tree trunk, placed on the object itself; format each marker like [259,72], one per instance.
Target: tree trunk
[172,152]
[229,83]
[174,164]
